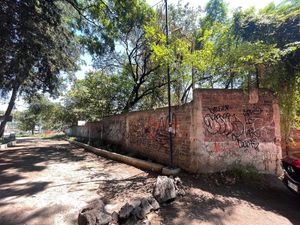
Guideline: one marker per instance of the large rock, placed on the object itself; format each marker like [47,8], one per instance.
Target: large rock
[125,211]
[154,204]
[94,214]
[164,189]
[135,211]
[146,207]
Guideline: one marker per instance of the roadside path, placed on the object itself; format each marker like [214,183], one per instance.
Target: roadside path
[47,182]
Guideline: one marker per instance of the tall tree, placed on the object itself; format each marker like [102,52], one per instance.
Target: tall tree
[97,95]
[116,39]
[216,12]
[36,47]
[277,25]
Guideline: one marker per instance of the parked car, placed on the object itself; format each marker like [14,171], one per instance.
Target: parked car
[291,168]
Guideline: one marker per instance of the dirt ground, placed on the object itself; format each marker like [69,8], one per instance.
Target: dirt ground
[47,182]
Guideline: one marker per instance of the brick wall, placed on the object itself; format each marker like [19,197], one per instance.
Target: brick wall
[234,127]
[294,144]
[218,129]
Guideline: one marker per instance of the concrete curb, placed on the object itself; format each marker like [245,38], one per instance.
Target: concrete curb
[3,146]
[142,164]
[8,144]
[170,171]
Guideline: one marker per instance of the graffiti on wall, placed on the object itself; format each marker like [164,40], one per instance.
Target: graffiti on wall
[147,130]
[246,131]
[220,108]
[115,131]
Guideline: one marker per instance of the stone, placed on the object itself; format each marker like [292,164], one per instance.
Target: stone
[131,221]
[125,211]
[179,187]
[146,207]
[115,217]
[87,218]
[135,211]
[180,192]
[177,181]
[103,218]
[94,214]
[152,201]
[164,189]
[146,222]
[135,203]
[138,213]
[170,171]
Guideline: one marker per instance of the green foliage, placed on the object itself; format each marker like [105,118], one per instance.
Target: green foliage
[210,50]
[55,136]
[216,12]
[36,46]
[246,174]
[42,113]
[103,24]
[26,121]
[121,24]
[97,95]
[277,26]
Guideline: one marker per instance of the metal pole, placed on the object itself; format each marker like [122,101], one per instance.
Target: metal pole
[193,71]
[169,90]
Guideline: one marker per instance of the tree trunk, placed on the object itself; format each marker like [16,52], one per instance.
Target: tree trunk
[9,109]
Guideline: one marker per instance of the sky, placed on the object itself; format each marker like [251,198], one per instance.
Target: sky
[88,65]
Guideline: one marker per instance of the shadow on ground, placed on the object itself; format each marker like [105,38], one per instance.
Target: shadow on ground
[125,189]
[43,214]
[208,202]
[275,198]
[15,162]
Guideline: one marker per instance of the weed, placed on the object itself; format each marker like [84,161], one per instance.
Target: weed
[246,174]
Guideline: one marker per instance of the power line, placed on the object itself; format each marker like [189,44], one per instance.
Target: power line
[157,3]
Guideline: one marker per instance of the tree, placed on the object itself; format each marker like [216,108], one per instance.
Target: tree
[30,118]
[96,96]
[123,25]
[26,121]
[216,12]
[128,43]
[36,47]
[44,113]
[277,25]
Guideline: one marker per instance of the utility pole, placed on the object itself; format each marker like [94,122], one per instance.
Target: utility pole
[169,90]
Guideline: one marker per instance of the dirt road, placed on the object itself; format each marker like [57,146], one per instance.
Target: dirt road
[46,182]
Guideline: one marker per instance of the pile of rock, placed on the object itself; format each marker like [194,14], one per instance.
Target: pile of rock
[94,213]
[133,212]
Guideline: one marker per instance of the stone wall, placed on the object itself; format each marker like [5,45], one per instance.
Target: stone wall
[218,129]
